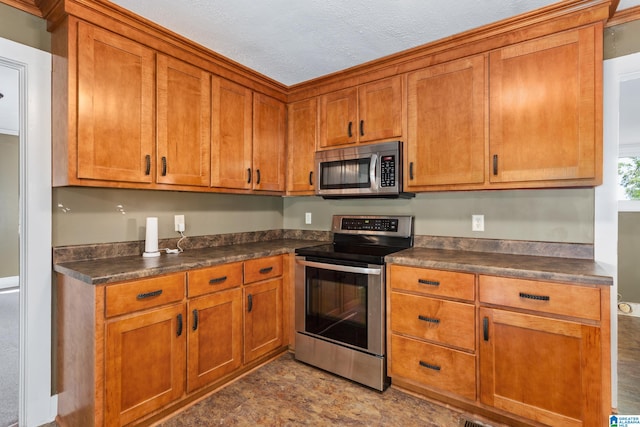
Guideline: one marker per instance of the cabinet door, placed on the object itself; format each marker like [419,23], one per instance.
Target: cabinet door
[269,117]
[446,124]
[116,83]
[263,318]
[543,103]
[231,143]
[338,115]
[184,123]
[302,120]
[380,110]
[215,337]
[145,363]
[543,369]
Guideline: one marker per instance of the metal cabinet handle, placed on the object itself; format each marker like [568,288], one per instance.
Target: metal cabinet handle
[266,270]
[248,175]
[249,303]
[428,319]
[411,171]
[217,280]
[430,366]
[349,132]
[147,161]
[485,328]
[149,294]
[179,328]
[495,164]
[258,176]
[164,166]
[428,282]
[361,127]
[195,320]
[311,178]
[535,297]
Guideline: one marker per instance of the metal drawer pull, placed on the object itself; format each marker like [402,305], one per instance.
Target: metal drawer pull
[257,176]
[266,270]
[147,162]
[495,164]
[430,366]
[485,328]
[311,178]
[249,303]
[149,294]
[195,320]
[361,127]
[248,175]
[217,280]
[428,282]
[428,319]
[349,132]
[179,328]
[535,297]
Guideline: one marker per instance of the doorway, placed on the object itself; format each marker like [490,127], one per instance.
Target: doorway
[36,403]
[608,251]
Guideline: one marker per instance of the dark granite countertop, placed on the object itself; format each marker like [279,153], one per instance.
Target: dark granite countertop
[111,263]
[118,269]
[573,270]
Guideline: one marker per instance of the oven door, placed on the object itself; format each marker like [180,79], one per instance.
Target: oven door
[341,302]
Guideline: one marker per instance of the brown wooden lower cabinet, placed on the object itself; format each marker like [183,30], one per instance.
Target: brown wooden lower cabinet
[543,348]
[133,351]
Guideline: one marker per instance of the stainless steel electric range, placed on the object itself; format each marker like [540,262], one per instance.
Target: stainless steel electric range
[340,297]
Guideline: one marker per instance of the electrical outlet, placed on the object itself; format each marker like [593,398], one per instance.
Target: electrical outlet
[477,222]
[179,222]
[307,218]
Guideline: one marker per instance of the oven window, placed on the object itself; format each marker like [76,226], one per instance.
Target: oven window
[345,174]
[336,306]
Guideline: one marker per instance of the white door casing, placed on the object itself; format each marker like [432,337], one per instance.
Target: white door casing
[36,404]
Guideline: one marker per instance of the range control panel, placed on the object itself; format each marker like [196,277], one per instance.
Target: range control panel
[370,224]
[380,225]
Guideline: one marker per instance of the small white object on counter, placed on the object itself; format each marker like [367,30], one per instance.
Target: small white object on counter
[151,240]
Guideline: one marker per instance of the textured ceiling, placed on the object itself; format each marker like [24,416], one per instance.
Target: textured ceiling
[292,41]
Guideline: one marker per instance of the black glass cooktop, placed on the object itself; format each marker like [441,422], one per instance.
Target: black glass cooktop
[370,254]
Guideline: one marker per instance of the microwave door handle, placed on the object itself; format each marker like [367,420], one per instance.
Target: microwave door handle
[343,268]
[372,171]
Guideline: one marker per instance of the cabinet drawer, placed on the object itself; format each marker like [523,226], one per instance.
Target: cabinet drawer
[214,279]
[262,268]
[433,282]
[142,294]
[448,322]
[555,298]
[434,366]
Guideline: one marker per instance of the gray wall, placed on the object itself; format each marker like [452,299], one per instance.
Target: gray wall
[9,183]
[541,215]
[24,28]
[629,256]
[94,215]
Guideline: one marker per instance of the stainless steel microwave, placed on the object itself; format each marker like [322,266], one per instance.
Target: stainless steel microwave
[373,170]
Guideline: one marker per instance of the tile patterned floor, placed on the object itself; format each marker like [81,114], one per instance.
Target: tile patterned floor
[288,393]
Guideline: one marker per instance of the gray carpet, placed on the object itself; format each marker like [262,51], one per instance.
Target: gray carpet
[9,338]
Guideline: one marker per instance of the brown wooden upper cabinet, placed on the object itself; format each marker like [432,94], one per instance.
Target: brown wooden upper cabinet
[545,109]
[367,113]
[248,143]
[183,123]
[115,108]
[125,132]
[302,135]
[446,124]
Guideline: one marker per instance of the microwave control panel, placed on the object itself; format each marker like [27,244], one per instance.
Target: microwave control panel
[388,171]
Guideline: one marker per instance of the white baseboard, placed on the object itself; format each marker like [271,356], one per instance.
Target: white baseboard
[635,309]
[9,282]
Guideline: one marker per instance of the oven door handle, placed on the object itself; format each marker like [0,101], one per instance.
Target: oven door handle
[343,268]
